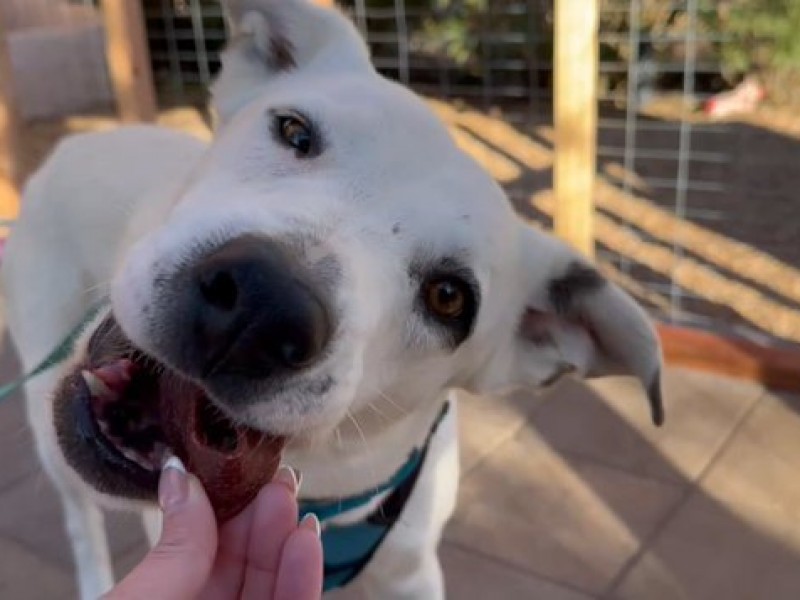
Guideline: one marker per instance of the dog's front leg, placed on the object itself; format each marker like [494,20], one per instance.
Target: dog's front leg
[86,529]
[415,576]
[83,520]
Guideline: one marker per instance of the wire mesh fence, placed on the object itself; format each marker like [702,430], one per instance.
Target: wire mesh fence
[671,206]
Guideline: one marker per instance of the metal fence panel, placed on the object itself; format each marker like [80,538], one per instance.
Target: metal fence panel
[495,58]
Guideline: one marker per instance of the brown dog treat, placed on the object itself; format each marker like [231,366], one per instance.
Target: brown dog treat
[232,462]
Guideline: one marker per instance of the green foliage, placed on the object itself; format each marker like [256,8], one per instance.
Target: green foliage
[764,35]
[454,33]
[741,36]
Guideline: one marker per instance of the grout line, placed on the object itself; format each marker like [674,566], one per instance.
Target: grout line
[18,480]
[525,421]
[689,493]
[32,551]
[516,568]
[679,483]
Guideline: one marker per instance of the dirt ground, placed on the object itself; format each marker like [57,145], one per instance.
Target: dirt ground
[735,253]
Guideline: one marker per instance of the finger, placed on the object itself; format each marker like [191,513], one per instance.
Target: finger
[179,564]
[300,571]
[274,520]
[227,575]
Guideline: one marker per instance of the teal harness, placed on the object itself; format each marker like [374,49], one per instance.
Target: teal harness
[347,548]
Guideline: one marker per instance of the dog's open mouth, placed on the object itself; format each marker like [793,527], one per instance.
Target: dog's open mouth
[123,405]
[121,414]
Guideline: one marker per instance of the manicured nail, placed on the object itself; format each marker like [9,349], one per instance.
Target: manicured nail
[290,477]
[173,486]
[311,522]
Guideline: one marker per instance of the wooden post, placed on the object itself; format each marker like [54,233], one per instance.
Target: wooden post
[9,134]
[575,110]
[129,60]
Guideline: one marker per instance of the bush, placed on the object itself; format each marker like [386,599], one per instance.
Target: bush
[764,35]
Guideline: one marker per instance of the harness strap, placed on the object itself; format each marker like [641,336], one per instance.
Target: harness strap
[58,355]
[327,509]
[347,549]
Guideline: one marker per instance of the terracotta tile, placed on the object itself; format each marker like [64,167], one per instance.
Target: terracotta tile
[18,460]
[710,552]
[16,456]
[25,576]
[609,421]
[470,576]
[125,532]
[567,519]
[760,465]
[487,421]
[125,561]
[30,514]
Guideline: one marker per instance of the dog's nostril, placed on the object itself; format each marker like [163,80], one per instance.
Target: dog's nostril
[296,354]
[220,290]
[252,312]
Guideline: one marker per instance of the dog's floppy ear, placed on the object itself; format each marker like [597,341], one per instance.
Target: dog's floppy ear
[273,37]
[574,319]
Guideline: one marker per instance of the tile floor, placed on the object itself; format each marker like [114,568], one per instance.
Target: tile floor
[569,495]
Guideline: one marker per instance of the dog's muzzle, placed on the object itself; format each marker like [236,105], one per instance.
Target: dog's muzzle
[244,315]
[119,414]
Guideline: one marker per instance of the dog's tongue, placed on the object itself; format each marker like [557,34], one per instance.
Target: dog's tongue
[232,462]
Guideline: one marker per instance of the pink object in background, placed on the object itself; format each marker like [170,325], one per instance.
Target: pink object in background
[744,98]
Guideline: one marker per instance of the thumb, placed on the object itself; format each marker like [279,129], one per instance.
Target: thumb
[180,563]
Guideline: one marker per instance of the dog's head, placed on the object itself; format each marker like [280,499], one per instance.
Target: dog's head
[334,248]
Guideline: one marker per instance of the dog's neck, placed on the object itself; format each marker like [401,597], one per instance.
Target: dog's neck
[363,452]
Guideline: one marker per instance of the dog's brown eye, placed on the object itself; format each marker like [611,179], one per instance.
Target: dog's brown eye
[445,298]
[295,133]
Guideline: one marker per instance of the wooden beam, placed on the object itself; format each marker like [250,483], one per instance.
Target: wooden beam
[129,60]
[773,367]
[575,113]
[10,170]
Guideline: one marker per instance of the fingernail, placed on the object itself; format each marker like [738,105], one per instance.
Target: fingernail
[290,477]
[311,522]
[173,486]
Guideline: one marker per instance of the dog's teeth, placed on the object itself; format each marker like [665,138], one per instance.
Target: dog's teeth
[134,456]
[159,454]
[115,375]
[166,454]
[95,385]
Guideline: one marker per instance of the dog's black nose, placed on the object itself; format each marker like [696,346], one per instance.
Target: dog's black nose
[256,314]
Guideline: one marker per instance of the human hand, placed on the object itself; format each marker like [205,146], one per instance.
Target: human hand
[261,553]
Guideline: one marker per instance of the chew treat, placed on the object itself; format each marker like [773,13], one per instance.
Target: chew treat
[232,462]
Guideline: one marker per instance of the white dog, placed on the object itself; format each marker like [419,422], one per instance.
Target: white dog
[327,269]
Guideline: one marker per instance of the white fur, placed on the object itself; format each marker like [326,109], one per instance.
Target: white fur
[109,212]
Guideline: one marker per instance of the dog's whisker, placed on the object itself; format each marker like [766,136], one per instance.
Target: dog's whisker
[338,434]
[403,411]
[363,437]
[97,286]
[377,411]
